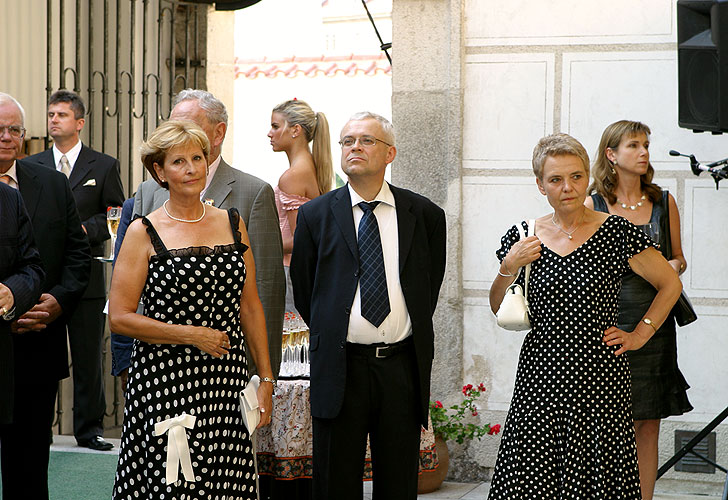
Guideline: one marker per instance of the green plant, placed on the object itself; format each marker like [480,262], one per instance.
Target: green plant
[452,426]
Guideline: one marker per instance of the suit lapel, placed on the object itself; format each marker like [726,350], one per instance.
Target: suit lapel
[82,166]
[341,209]
[406,221]
[30,188]
[221,185]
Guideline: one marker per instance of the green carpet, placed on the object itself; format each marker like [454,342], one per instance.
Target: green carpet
[80,476]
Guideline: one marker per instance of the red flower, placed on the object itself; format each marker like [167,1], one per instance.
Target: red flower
[437,404]
[494,429]
[475,413]
[481,387]
[467,388]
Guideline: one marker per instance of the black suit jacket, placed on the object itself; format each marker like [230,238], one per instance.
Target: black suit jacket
[96,185]
[21,272]
[324,272]
[64,251]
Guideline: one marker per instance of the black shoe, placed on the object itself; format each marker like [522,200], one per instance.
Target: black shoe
[96,443]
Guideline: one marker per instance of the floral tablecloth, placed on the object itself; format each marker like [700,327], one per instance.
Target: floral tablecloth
[285,447]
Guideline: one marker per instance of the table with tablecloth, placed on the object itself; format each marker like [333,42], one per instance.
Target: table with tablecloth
[285,447]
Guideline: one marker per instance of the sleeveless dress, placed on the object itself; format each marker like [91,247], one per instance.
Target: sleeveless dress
[285,203]
[658,386]
[569,432]
[198,286]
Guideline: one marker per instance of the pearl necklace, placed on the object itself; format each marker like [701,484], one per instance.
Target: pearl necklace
[632,207]
[567,233]
[164,206]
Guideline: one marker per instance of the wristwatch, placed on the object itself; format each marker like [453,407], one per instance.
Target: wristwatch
[648,321]
[271,380]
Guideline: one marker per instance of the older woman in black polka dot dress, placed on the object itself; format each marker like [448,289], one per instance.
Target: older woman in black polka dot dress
[569,431]
[183,435]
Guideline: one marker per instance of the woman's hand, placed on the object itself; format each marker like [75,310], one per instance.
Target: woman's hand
[213,342]
[522,253]
[265,400]
[630,341]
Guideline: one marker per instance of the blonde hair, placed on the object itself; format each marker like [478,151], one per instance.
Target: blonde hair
[167,136]
[316,128]
[605,177]
[557,145]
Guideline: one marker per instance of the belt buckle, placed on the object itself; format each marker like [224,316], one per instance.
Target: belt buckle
[383,348]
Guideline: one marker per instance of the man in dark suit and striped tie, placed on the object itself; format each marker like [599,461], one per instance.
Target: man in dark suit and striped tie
[368,261]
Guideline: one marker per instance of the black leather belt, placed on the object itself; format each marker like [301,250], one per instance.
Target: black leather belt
[380,350]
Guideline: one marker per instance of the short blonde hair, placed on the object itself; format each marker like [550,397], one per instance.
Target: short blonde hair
[557,145]
[167,136]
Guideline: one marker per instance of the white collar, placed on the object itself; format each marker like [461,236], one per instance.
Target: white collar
[384,195]
[72,155]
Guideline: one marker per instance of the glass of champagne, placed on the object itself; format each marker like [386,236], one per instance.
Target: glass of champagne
[113,216]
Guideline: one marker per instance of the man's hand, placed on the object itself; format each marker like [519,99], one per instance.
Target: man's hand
[44,312]
[7,300]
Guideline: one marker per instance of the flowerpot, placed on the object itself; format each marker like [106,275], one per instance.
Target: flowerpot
[431,480]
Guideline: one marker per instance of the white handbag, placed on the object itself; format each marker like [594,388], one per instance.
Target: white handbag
[513,311]
[250,409]
[249,404]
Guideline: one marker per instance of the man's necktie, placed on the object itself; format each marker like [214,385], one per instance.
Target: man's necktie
[372,280]
[65,166]
[5,179]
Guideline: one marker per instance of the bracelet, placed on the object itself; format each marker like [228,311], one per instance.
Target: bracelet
[648,321]
[507,270]
[270,380]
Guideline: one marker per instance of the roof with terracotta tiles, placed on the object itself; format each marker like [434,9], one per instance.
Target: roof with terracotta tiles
[313,66]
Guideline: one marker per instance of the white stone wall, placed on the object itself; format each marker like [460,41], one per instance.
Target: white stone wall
[511,72]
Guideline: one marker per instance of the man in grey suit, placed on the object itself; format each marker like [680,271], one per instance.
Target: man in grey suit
[228,187]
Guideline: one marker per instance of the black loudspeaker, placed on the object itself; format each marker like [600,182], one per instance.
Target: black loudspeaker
[702,60]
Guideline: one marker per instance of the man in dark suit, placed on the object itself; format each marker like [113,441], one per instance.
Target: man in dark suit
[21,277]
[96,185]
[39,340]
[229,187]
[368,261]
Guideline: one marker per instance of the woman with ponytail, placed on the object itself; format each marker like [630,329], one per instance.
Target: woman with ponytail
[310,173]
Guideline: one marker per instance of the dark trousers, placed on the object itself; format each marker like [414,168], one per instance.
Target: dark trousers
[380,400]
[24,444]
[86,336]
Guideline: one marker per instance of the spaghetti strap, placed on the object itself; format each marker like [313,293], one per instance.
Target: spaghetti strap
[234,217]
[157,242]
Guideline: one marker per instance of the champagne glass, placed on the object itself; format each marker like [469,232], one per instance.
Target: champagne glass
[113,216]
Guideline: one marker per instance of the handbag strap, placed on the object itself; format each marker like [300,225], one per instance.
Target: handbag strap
[522,235]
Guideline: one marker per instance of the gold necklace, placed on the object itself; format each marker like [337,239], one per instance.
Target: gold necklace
[632,207]
[567,233]
[164,206]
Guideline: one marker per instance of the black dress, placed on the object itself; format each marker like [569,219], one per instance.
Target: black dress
[198,286]
[569,432]
[658,386]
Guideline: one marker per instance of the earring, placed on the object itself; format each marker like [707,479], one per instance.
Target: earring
[614,171]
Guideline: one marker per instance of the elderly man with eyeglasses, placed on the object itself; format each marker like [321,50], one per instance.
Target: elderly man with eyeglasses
[368,261]
[39,335]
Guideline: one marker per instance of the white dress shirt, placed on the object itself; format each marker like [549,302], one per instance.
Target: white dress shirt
[397,325]
[12,172]
[71,155]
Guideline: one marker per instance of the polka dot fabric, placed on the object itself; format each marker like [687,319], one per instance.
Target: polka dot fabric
[194,286]
[569,431]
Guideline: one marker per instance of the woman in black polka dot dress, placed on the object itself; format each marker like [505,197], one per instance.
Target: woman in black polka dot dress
[569,431]
[183,435]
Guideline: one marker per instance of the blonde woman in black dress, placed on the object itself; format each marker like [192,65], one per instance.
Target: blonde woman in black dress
[623,186]
[192,268]
[569,432]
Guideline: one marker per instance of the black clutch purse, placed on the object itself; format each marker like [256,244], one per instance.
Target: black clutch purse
[683,311]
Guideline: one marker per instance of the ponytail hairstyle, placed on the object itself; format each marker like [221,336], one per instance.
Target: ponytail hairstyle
[605,176]
[316,128]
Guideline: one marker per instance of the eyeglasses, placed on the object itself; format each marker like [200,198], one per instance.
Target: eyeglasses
[365,140]
[14,131]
